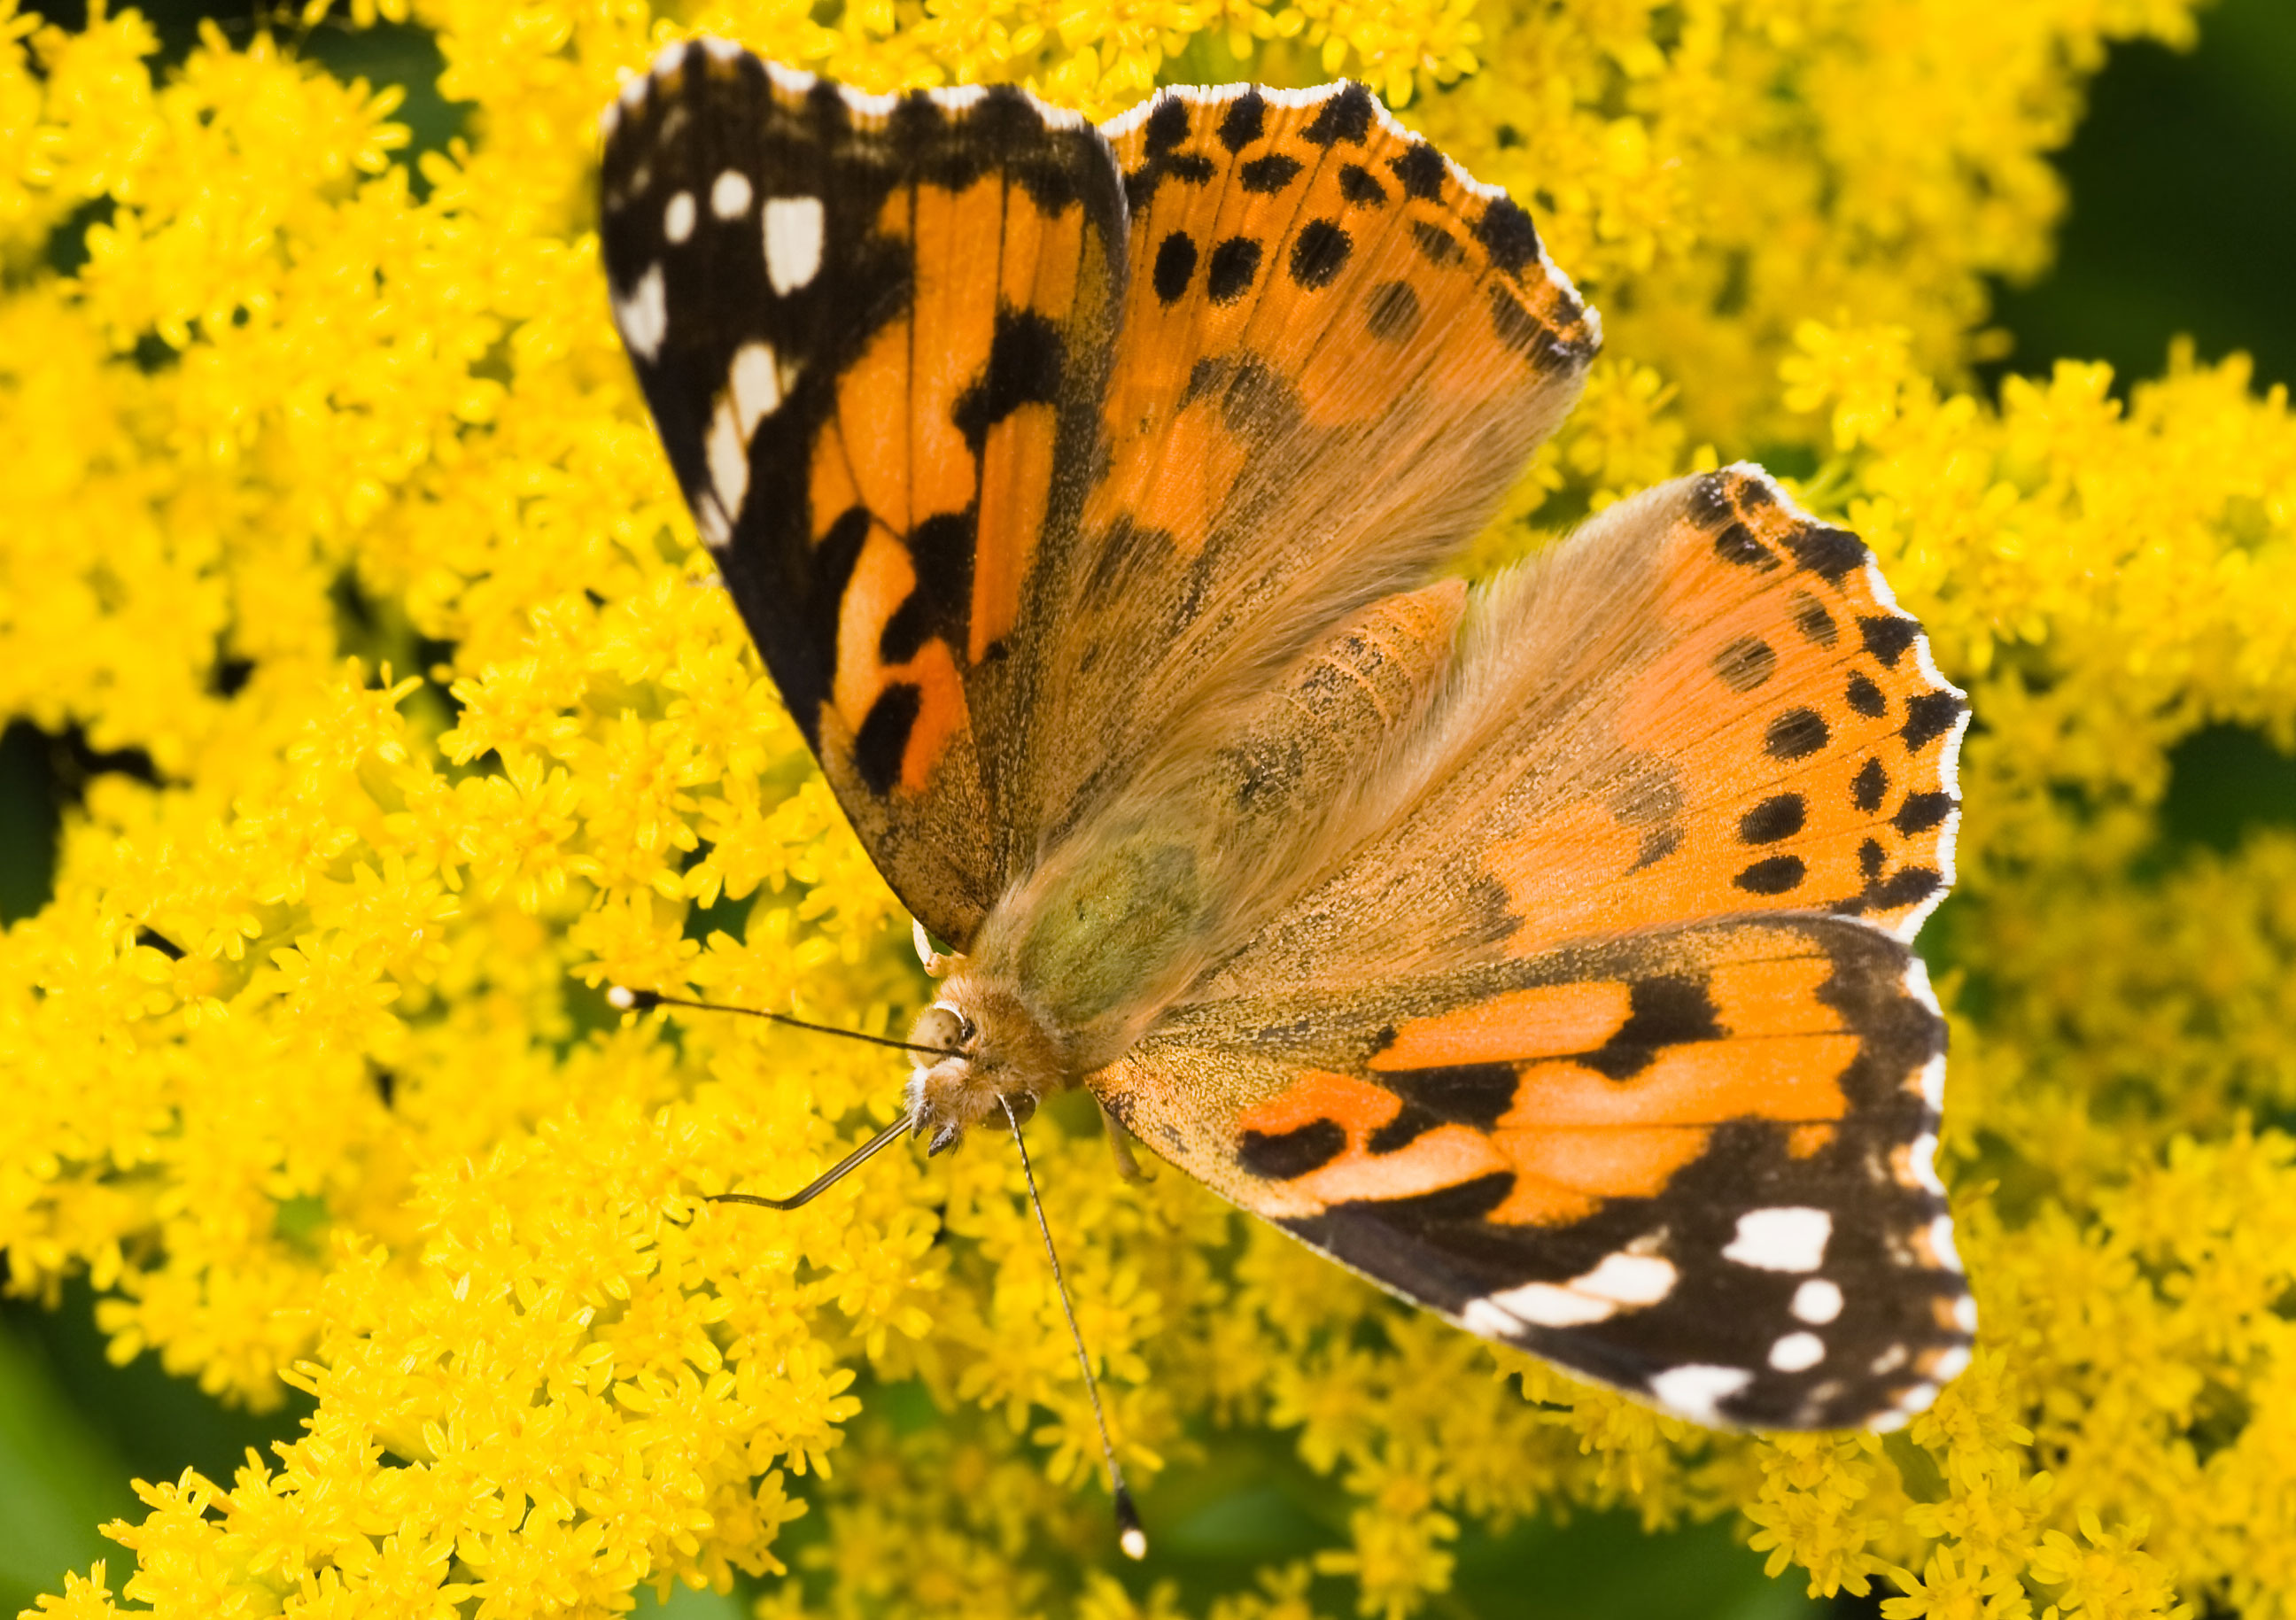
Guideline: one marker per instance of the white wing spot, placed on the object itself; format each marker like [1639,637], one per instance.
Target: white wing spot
[678,218]
[1541,1305]
[729,194]
[1618,1279]
[716,533]
[1951,1365]
[729,457]
[1924,1156]
[956,98]
[1940,1237]
[720,50]
[792,81]
[1628,1280]
[755,383]
[1781,1240]
[1797,1352]
[1965,1312]
[671,58]
[633,91]
[1932,1082]
[1817,1301]
[793,241]
[1696,1391]
[643,317]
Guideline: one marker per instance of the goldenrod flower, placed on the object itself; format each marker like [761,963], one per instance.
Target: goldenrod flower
[329,491]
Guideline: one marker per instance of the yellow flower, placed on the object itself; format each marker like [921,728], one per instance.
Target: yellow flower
[311,1075]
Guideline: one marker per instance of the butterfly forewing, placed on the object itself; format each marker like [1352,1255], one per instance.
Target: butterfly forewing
[873,331]
[1336,352]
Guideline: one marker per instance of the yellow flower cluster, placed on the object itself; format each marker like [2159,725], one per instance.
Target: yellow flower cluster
[330,494]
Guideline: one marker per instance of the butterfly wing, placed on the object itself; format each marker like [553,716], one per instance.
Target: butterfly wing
[873,331]
[1604,1039]
[1704,703]
[1336,352]
[1692,1163]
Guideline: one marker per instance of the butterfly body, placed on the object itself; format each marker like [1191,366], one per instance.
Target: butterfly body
[1537,948]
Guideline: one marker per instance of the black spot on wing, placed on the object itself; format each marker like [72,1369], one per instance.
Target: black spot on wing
[1887,637]
[1344,116]
[1421,170]
[1285,1155]
[1921,811]
[1870,786]
[1166,127]
[1176,267]
[1234,262]
[1025,358]
[1523,331]
[941,551]
[1828,553]
[1778,875]
[1436,245]
[1908,886]
[1864,696]
[1473,1094]
[1796,734]
[1735,543]
[1393,312]
[1668,1009]
[1508,236]
[1360,187]
[1779,816]
[1411,1122]
[1271,173]
[1811,618]
[1708,502]
[1929,717]
[1319,253]
[1279,1157]
[1245,118]
[885,736]
[1745,663]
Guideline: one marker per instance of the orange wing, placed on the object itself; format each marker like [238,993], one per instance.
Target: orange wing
[1704,703]
[1693,1163]
[1336,351]
[872,330]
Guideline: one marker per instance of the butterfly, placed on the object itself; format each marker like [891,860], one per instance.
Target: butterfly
[1537,949]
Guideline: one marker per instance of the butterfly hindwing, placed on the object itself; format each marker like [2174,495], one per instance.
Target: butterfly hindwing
[1703,703]
[1693,1163]
[872,330]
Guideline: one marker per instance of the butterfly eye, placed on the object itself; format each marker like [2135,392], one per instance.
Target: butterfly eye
[942,1027]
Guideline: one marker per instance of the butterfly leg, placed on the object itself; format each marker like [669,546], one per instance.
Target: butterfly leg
[1128,1166]
[937,963]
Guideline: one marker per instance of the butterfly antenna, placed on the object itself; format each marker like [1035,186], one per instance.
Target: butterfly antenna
[1129,1535]
[624,998]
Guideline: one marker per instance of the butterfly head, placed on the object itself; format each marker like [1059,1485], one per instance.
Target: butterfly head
[995,1052]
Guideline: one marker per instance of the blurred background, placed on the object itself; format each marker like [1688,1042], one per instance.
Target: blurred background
[2182,223]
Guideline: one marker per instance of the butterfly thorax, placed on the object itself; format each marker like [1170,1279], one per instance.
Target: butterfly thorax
[1001,1054]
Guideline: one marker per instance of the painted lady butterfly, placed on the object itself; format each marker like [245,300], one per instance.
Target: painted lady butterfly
[1537,949]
